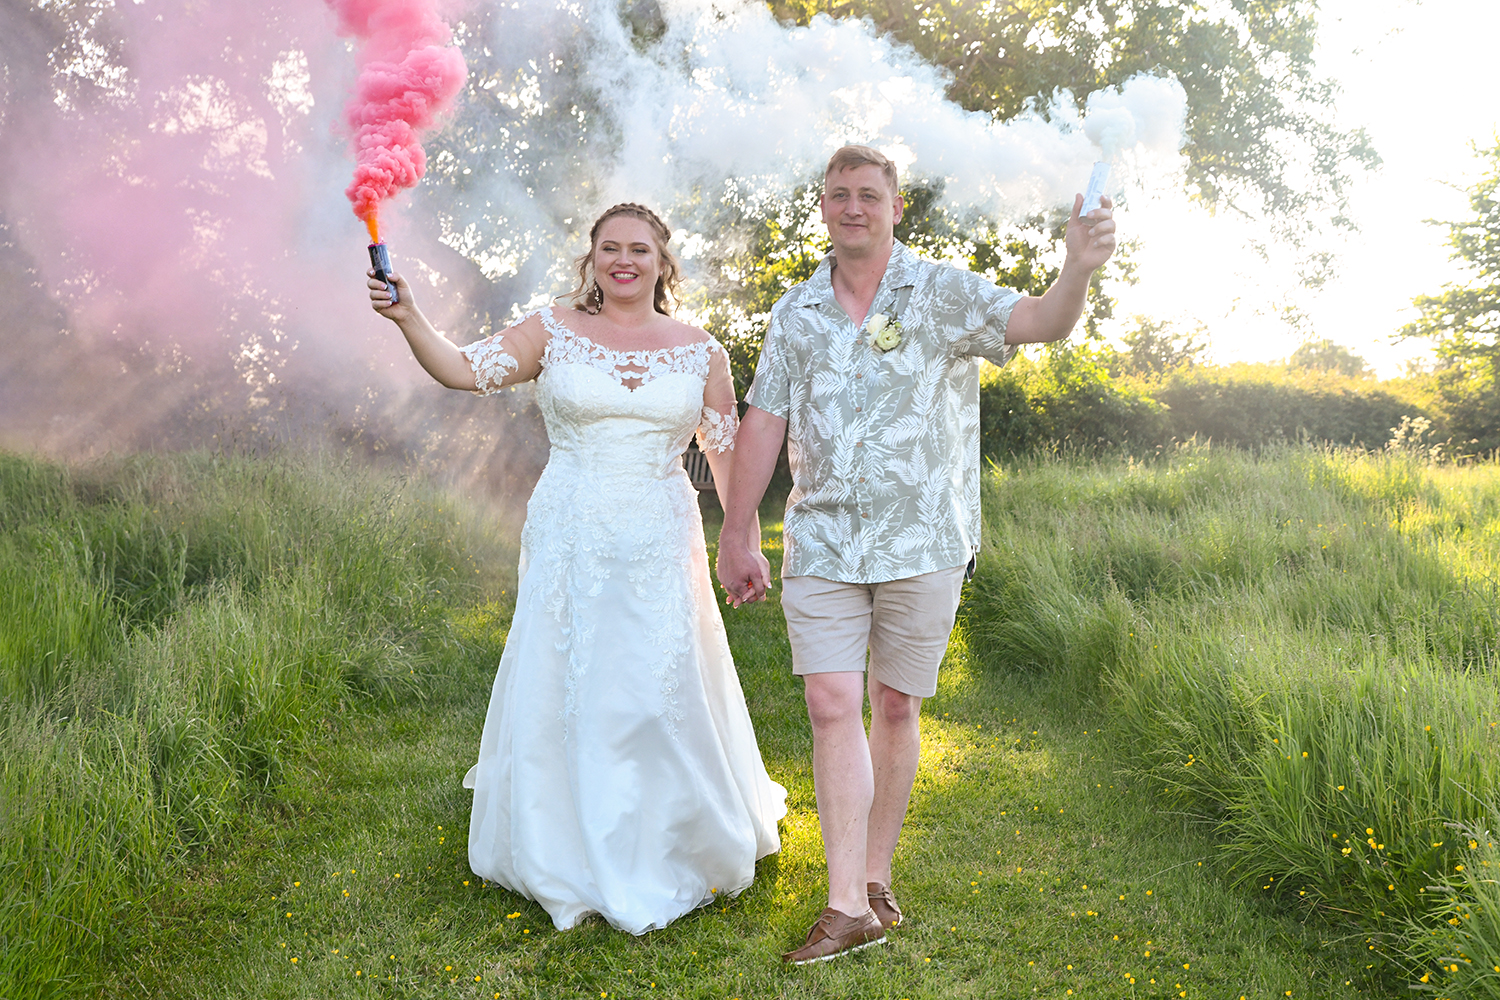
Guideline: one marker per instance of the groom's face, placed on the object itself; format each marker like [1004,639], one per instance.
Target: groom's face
[860,209]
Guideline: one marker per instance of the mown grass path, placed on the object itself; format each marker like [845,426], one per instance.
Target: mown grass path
[1028,868]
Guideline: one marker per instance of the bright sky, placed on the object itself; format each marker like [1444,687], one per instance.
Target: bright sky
[1419,76]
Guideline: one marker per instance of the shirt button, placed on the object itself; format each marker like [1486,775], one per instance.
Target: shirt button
[862,514]
[861,478]
[860,376]
[859,444]
[859,409]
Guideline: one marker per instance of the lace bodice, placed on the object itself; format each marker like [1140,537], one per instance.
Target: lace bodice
[614,503]
[566,347]
[497,362]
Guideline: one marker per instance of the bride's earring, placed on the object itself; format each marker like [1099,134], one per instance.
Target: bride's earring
[597,296]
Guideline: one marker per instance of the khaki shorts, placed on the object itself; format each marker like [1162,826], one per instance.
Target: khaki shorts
[903,623]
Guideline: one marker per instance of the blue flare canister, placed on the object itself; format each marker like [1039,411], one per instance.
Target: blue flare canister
[380,260]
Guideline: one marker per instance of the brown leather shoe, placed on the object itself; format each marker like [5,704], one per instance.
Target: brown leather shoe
[883,902]
[835,934]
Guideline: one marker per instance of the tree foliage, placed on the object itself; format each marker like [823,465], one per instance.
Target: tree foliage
[1258,136]
[1326,356]
[1464,319]
[1154,347]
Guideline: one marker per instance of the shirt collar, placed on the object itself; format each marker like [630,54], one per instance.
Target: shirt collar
[900,272]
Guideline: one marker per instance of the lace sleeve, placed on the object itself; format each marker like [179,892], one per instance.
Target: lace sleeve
[721,415]
[716,432]
[510,356]
[491,363]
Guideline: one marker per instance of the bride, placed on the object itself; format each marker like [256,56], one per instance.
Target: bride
[618,772]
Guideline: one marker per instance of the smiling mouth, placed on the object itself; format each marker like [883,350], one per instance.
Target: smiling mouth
[624,275]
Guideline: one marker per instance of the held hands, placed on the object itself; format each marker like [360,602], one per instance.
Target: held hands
[1090,239]
[743,572]
[380,298]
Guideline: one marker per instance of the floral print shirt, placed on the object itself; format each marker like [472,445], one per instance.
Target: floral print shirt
[884,445]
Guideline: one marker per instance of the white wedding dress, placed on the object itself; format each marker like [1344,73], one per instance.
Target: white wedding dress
[618,772]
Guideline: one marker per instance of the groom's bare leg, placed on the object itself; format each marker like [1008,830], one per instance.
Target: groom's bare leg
[895,746]
[843,781]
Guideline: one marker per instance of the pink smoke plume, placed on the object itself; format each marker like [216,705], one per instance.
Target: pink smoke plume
[409,74]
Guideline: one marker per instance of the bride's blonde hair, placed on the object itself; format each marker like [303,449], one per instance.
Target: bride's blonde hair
[589,297]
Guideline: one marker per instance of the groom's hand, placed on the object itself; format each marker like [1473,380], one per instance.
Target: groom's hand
[743,572]
[1090,239]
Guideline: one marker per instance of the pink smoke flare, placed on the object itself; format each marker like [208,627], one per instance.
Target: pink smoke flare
[409,74]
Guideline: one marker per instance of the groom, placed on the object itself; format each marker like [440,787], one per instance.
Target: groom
[872,367]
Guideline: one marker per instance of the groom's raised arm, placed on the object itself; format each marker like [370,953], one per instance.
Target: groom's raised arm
[1089,240]
[742,570]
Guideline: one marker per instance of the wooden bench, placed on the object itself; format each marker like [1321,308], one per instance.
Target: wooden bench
[696,464]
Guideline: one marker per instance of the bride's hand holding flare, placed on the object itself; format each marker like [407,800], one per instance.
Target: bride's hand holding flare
[433,351]
[380,297]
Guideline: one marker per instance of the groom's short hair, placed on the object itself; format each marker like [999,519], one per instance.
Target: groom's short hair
[850,157]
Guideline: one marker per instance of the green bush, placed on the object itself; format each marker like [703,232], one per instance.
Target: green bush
[1466,391]
[1254,406]
[1068,401]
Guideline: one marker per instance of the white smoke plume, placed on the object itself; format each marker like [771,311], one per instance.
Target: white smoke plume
[732,93]
[686,103]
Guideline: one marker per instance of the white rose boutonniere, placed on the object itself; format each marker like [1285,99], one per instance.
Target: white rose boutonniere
[884,331]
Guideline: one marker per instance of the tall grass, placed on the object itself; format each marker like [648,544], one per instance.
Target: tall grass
[1463,942]
[1298,651]
[1295,650]
[174,628]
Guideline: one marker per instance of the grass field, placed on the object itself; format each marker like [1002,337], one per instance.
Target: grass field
[239,695]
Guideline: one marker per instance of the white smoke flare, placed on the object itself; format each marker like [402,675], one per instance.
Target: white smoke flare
[695,100]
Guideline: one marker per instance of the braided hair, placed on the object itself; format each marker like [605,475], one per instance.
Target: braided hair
[589,297]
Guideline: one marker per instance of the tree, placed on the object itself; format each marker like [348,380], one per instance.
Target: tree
[1260,137]
[1326,356]
[1464,319]
[1154,347]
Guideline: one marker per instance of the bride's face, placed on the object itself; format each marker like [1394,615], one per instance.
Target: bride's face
[627,261]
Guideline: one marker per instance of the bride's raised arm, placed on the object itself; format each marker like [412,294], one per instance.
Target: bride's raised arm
[485,366]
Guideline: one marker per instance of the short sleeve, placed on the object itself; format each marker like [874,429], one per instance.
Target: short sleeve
[986,317]
[510,356]
[721,415]
[772,388]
